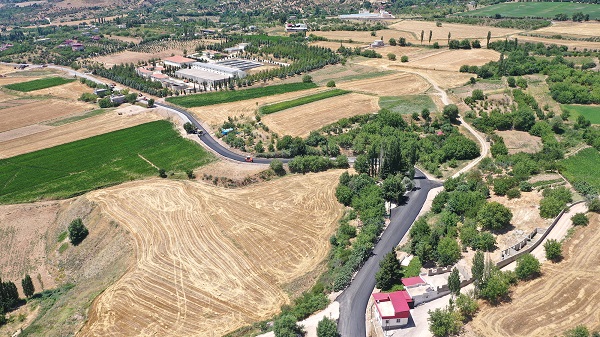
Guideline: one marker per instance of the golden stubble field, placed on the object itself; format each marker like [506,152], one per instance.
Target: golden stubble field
[301,120]
[34,111]
[391,85]
[210,260]
[457,31]
[566,295]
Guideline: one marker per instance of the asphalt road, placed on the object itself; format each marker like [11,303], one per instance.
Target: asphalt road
[353,301]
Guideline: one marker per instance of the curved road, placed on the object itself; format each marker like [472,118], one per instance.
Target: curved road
[353,301]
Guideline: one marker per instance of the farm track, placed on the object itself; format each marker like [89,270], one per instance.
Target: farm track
[565,296]
[210,260]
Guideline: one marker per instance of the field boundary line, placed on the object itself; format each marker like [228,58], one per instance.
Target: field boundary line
[147,161]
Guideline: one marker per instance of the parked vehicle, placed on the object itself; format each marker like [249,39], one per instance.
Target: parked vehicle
[249,159]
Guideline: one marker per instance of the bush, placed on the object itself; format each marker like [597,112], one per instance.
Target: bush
[580,219]
[277,166]
[513,193]
[553,250]
[550,207]
[528,267]
[327,328]
[331,84]
[105,103]
[404,58]
[391,56]
[307,79]
[436,45]
[525,186]
[494,215]
[162,173]
[448,251]
[467,305]
[594,205]
[77,231]
[88,97]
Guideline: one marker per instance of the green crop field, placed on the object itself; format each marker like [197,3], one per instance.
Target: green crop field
[269,109]
[591,112]
[74,168]
[583,167]
[537,9]
[191,101]
[41,83]
[407,104]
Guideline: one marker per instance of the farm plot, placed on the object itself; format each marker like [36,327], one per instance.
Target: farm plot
[32,112]
[565,296]
[591,112]
[15,79]
[70,91]
[37,137]
[38,84]
[392,85]
[272,108]
[451,60]
[217,114]
[571,44]
[74,168]
[124,57]
[520,141]
[301,120]
[537,9]
[364,37]
[457,31]
[583,167]
[407,104]
[572,28]
[209,259]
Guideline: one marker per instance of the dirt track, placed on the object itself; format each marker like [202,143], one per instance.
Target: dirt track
[303,119]
[565,296]
[210,260]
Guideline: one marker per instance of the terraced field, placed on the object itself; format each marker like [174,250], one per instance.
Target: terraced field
[209,259]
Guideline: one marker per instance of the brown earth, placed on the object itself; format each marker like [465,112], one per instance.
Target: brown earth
[30,140]
[566,295]
[208,259]
[39,111]
[391,85]
[301,120]
[572,44]
[520,141]
[70,91]
[230,169]
[572,28]
[217,114]
[457,31]
[452,60]
[16,79]
[364,37]
[125,57]
[135,40]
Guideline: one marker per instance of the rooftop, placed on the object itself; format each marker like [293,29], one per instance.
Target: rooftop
[412,281]
[208,75]
[179,59]
[392,305]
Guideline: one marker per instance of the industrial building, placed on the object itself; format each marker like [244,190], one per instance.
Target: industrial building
[366,15]
[178,61]
[296,27]
[201,76]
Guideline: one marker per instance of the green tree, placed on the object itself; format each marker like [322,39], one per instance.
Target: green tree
[550,207]
[391,56]
[580,219]
[489,36]
[285,326]
[327,328]
[331,84]
[448,251]
[422,35]
[307,79]
[28,288]
[151,102]
[105,103]
[404,58]
[430,34]
[425,114]
[494,215]
[392,42]
[511,82]
[77,231]
[477,268]
[454,282]
[277,166]
[578,331]
[495,287]
[189,128]
[553,250]
[393,189]
[594,205]
[450,112]
[389,273]
[444,322]
[361,164]
[528,267]
[467,305]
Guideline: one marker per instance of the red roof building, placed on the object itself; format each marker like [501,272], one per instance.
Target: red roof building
[392,309]
[413,281]
[177,61]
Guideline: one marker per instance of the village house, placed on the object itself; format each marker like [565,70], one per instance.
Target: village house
[392,310]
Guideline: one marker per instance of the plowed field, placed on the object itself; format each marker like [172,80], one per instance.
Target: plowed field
[392,85]
[210,260]
[565,296]
[303,119]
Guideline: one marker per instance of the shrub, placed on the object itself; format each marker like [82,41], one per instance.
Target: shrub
[525,186]
[88,97]
[467,305]
[513,193]
[594,205]
[404,58]
[494,215]
[77,231]
[436,45]
[331,84]
[307,79]
[277,166]
[391,56]
[580,219]
[162,173]
[527,267]
[553,250]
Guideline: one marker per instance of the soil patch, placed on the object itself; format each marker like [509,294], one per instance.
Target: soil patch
[520,141]
[457,31]
[391,85]
[39,111]
[70,91]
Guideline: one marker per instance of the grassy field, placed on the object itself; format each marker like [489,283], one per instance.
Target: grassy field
[191,101]
[42,83]
[537,9]
[74,168]
[271,108]
[583,167]
[591,112]
[407,104]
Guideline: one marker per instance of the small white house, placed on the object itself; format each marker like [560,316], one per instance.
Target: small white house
[391,309]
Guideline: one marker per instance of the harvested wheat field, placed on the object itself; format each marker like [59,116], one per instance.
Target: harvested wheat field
[42,137]
[571,44]
[209,259]
[17,79]
[572,28]
[71,90]
[301,120]
[457,31]
[217,114]
[124,57]
[451,60]
[357,36]
[392,85]
[566,295]
[38,111]
[230,169]
[520,141]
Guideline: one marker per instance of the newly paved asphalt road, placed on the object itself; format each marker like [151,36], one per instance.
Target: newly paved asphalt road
[353,301]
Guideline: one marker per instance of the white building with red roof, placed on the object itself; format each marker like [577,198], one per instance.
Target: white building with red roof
[177,61]
[392,310]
